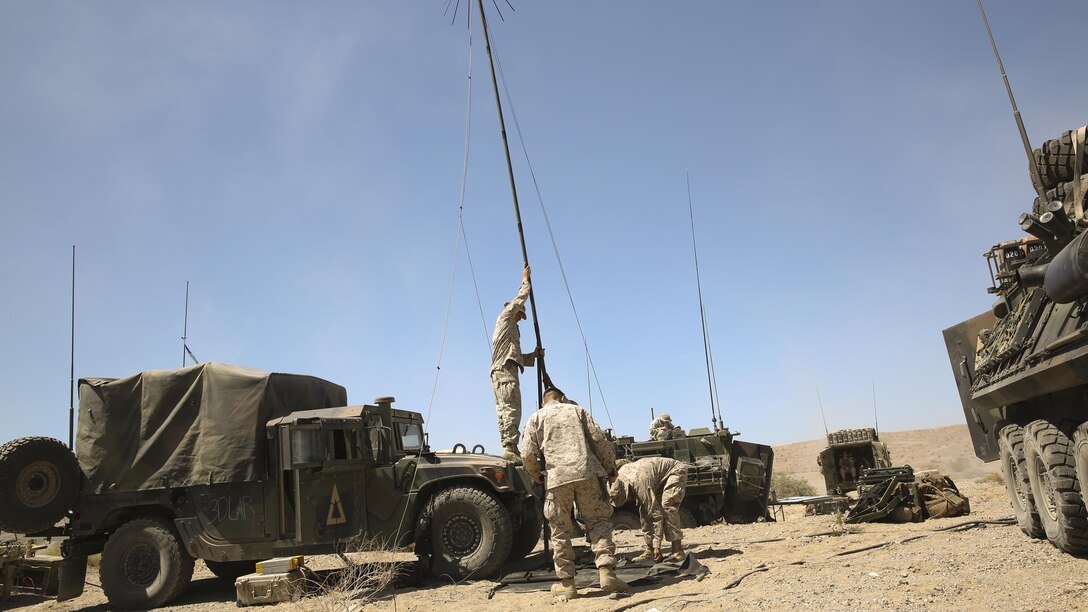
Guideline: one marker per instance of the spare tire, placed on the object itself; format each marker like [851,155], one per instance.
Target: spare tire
[1056,161]
[40,481]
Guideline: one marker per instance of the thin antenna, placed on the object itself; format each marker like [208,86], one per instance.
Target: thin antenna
[1036,176]
[702,312]
[589,383]
[822,415]
[72,362]
[876,422]
[185,326]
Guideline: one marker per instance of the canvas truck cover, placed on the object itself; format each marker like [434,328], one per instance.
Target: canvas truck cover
[197,425]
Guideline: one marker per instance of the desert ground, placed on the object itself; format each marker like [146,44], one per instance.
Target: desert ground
[801,562]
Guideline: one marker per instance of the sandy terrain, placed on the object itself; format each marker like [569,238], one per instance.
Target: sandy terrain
[984,568]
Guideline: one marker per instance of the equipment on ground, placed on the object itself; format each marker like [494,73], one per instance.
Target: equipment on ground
[233,466]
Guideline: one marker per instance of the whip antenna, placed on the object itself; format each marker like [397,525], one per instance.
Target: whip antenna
[822,415]
[702,313]
[1036,176]
[876,422]
[542,373]
[72,362]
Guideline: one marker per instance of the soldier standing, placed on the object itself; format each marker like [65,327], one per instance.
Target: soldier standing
[507,363]
[658,485]
[577,457]
[661,427]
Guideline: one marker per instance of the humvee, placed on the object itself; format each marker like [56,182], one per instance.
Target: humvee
[727,479]
[849,452]
[232,466]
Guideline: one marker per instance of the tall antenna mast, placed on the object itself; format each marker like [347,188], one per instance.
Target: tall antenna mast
[876,421]
[702,312]
[822,415]
[72,362]
[542,373]
[1036,176]
[185,326]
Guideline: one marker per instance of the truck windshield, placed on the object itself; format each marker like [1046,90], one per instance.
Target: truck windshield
[411,436]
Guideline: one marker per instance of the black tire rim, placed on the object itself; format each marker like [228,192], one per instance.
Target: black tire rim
[140,565]
[461,535]
[38,484]
[1047,487]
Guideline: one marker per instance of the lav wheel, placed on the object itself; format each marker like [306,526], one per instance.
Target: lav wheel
[1048,453]
[40,481]
[625,519]
[144,565]
[1010,441]
[471,533]
[687,519]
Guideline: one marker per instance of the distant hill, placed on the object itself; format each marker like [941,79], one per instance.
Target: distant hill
[947,449]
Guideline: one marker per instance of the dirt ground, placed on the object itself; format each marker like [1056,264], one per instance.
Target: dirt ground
[779,566]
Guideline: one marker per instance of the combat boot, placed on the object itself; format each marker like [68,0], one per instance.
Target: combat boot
[677,555]
[565,589]
[511,454]
[610,583]
[647,555]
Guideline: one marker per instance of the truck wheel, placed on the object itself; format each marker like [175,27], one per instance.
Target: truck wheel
[526,537]
[687,519]
[40,481]
[1052,472]
[470,533]
[625,519]
[144,565]
[1014,470]
[231,570]
[1080,458]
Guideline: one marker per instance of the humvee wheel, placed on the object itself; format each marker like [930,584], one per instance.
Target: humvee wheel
[1014,470]
[625,519]
[144,565]
[40,481]
[1052,472]
[471,533]
[230,570]
[527,535]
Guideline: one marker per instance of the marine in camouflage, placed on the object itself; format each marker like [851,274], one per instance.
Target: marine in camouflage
[658,484]
[507,363]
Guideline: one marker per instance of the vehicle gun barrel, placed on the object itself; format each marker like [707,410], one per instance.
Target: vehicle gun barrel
[1067,274]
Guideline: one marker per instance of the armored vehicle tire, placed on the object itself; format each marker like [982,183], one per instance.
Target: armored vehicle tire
[625,519]
[1014,470]
[144,565]
[40,481]
[687,519]
[230,570]
[1056,160]
[527,535]
[1080,458]
[1052,472]
[470,534]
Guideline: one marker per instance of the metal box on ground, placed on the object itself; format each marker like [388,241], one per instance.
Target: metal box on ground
[280,565]
[254,589]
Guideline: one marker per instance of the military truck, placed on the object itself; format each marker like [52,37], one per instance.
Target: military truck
[232,466]
[728,479]
[848,452]
[1021,368]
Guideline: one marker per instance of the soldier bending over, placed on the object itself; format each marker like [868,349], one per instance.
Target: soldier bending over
[507,363]
[657,485]
[578,457]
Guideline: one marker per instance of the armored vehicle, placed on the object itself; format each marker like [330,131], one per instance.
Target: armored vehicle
[1022,367]
[232,466]
[728,479]
[848,452]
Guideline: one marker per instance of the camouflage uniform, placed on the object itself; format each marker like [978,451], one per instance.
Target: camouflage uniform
[661,427]
[577,457]
[507,362]
[659,483]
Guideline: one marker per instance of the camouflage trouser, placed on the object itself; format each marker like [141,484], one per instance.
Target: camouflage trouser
[594,509]
[662,522]
[508,404]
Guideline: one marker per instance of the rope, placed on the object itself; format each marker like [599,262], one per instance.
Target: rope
[551,235]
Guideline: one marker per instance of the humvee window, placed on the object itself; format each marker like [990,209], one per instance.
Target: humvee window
[411,438]
[344,444]
[307,447]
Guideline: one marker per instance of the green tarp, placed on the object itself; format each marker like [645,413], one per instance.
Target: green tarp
[197,425]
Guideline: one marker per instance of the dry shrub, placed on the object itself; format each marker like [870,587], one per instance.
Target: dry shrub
[992,478]
[368,572]
[785,486]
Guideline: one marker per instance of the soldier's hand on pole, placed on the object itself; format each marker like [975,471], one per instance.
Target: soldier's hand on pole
[538,478]
[525,274]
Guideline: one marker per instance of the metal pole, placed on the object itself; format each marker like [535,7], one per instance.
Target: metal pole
[876,421]
[1037,177]
[72,362]
[822,415]
[514,190]
[185,326]
[702,312]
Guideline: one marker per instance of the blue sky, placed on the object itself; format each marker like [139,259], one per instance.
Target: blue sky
[300,164]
